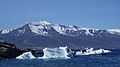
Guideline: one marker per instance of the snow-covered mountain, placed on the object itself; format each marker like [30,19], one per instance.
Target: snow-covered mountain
[5,31]
[44,28]
[43,33]
[114,31]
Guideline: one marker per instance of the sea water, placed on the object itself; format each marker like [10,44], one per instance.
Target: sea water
[101,60]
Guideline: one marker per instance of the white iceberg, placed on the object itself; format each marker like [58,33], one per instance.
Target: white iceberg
[60,53]
[90,51]
[26,55]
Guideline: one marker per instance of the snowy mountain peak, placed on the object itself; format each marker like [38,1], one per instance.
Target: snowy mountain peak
[6,31]
[38,23]
[43,22]
[45,28]
[58,28]
[114,31]
[72,28]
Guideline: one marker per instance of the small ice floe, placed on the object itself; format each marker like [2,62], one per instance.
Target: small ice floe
[90,51]
[59,53]
[26,55]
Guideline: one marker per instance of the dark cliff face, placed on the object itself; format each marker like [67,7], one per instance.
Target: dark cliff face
[8,50]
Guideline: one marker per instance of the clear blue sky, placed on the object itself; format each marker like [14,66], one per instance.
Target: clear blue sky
[85,13]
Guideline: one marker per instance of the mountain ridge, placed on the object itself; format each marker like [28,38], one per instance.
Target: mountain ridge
[36,26]
[44,34]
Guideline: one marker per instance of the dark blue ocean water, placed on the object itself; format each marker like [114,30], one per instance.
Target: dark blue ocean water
[107,60]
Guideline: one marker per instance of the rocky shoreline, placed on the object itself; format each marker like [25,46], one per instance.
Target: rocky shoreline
[8,50]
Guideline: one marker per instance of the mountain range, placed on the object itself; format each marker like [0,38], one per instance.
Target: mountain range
[44,34]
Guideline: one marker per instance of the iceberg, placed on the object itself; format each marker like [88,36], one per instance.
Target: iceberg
[90,51]
[60,53]
[102,51]
[26,55]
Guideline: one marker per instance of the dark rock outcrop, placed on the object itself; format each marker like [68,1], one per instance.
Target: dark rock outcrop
[8,50]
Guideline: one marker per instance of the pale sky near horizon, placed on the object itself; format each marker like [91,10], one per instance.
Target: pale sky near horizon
[101,14]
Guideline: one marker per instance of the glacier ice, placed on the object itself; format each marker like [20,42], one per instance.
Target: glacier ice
[26,55]
[60,52]
[90,51]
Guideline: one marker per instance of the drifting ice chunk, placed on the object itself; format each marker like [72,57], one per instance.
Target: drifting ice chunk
[102,51]
[26,55]
[91,51]
[55,53]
